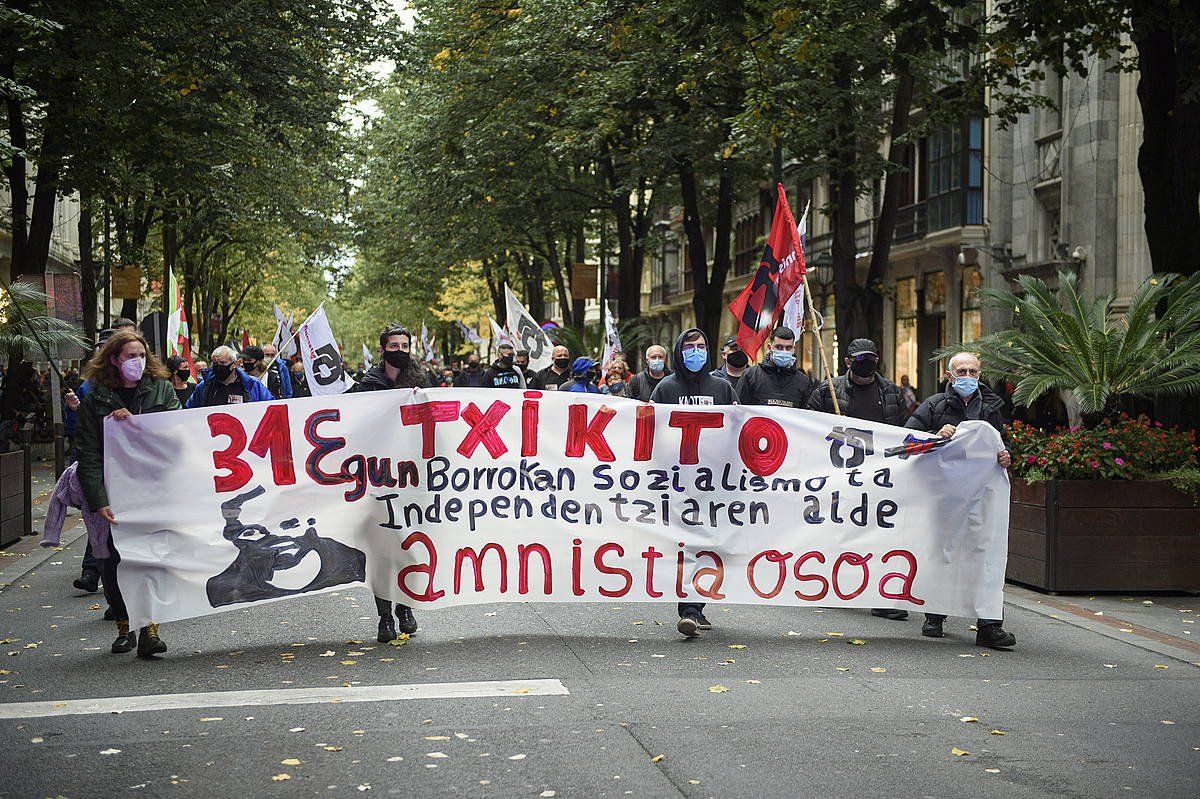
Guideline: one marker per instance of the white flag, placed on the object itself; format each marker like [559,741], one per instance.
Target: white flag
[427,344]
[283,341]
[612,339]
[527,333]
[323,365]
[499,334]
[793,309]
[366,357]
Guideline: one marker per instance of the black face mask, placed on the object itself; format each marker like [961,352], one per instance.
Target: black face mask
[737,359]
[473,366]
[221,371]
[183,374]
[562,363]
[864,368]
[249,366]
[397,358]
[506,360]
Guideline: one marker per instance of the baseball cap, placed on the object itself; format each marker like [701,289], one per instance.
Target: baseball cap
[861,346]
[731,341]
[252,353]
[582,364]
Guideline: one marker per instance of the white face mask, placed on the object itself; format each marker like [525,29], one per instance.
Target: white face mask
[133,368]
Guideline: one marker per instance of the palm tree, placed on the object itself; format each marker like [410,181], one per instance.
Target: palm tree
[1074,343]
[25,329]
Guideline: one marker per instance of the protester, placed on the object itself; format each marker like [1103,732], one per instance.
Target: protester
[776,381]
[224,383]
[734,362]
[473,375]
[581,377]
[503,372]
[447,377]
[909,395]
[396,369]
[863,393]
[126,379]
[616,380]
[692,384]
[557,373]
[299,381]
[966,398]
[120,324]
[521,361]
[180,374]
[641,386]
[278,377]
[201,365]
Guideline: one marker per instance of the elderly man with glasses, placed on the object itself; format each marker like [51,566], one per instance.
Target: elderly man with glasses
[965,398]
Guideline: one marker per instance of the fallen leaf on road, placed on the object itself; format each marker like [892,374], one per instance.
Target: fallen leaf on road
[1159,666]
[516,757]
[328,653]
[290,761]
[958,752]
[333,748]
[110,751]
[1167,722]
[693,782]
[717,689]
[296,729]
[94,607]
[856,642]
[657,758]
[834,635]
[281,777]
[753,682]
[521,691]
[394,759]
[347,662]
[968,719]
[737,646]
[992,770]
[437,737]
[213,718]
[879,670]
[436,755]
[998,732]
[842,668]
[399,640]
[1110,665]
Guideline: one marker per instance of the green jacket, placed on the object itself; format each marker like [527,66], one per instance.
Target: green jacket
[152,396]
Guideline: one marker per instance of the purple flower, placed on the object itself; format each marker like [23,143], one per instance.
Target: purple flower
[1119,461]
[1095,464]
[1106,445]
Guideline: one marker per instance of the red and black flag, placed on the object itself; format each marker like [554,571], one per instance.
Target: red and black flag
[780,273]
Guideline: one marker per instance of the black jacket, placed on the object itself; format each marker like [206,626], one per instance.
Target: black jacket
[894,410]
[500,376]
[947,408]
[682,387]
[377,380]
[548,380]
[768,384]
[470,378]
[641,386]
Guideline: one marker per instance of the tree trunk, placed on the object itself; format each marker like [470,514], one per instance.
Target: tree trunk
[850,324]
[45,195]
[15,171]
[89,290]
[1169,159]
[708,285]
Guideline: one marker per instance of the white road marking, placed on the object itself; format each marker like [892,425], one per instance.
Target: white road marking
[284,696]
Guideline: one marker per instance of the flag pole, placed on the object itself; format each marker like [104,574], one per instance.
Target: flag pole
[820,347]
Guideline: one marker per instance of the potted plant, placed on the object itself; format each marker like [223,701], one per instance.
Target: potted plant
[1111,504]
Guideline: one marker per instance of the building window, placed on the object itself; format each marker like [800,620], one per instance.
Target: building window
[954,175]
[747,248]
[972,316]
[829,338]
[905,358]
[935,294]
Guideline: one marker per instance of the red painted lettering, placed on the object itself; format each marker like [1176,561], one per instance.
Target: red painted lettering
[274,436]
[428,414]
[716,571]
[222,424]
[691,423]
[523,552]
[773,556]
[800,561]
[907,577]
[853,559]
[428,569]
[643,433]
[601,567]
[483,429]
[468,553]
[651,554]
[762,445]
[581,433]
[529,424]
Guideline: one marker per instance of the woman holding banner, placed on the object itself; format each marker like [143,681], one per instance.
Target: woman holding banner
[126,379]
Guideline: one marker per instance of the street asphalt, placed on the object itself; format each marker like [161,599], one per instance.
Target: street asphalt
[1100,698]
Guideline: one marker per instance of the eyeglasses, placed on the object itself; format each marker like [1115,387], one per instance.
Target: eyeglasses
[965,371]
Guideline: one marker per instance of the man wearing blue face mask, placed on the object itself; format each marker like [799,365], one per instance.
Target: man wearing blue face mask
[965,398]
[776,381]
[691,384]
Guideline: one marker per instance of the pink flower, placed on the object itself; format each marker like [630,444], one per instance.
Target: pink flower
[1119,461]
[1106,445]
[1031,459]
[1095,464]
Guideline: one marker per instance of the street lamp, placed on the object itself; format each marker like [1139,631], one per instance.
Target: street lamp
[823,273]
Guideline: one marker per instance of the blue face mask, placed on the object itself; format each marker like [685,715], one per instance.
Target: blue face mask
[695,360]
[966,386]
[783,359]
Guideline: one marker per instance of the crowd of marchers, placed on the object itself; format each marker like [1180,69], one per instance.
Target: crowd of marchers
[123,378]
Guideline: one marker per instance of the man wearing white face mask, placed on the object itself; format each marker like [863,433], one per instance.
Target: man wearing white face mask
[776,381]
[642,385]
[965,398]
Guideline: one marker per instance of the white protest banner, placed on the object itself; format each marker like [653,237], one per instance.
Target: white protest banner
[455,496]
[527,333]
[322,356]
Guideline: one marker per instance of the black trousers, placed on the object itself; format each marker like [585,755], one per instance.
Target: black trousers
[938,617]
[690,607]
[108,576]
[384,606]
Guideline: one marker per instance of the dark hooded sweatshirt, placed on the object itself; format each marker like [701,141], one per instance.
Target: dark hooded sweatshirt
[682,387]
[768,384]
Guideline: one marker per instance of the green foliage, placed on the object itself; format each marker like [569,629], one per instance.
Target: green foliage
[25,328]
[1071,342]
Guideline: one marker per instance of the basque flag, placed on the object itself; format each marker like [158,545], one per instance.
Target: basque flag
[780,273]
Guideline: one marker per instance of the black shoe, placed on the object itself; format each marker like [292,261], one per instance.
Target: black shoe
[109,615]
[895,614]
[703,623]
[689,625]
[407,621]
[994,636]
[387,629]
[126,641]
[932,629]
[88,582]
[150,644]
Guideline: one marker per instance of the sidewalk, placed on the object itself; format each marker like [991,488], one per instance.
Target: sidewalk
[25,555]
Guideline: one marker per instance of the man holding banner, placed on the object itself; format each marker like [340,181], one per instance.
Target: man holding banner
[396,369]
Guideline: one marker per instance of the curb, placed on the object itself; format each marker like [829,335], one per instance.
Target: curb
[37,556]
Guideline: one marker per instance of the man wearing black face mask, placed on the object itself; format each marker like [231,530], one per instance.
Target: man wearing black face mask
[396,369]
[557,374]
[472,374]
[224,383]
[863,393]
[180,374]
[735,364]
[503,373]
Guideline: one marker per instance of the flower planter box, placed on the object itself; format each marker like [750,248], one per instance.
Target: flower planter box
[1103,535]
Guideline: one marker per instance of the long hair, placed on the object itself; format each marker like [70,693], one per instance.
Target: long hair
[101,371]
